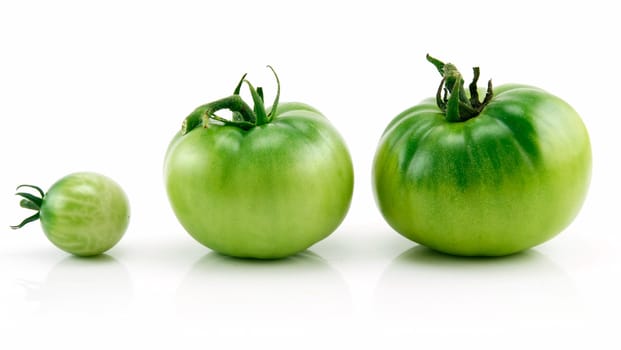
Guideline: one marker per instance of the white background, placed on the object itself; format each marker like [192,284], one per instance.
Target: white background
[104,86]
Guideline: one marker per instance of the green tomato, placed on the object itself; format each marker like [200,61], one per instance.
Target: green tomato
[487,178]
[84,213]
[267,184]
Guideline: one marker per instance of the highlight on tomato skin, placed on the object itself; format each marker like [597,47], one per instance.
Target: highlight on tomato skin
[266,184]
[84,213]
[482,172]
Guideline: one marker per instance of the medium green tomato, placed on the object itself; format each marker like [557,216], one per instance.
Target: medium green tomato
[266,184]
[482,178]
[84,213]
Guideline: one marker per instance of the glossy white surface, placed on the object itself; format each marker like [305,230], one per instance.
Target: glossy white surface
[104,87]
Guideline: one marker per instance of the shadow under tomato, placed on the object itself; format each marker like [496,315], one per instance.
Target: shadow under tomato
[75,285]
[425,286]
[300,286]
[422,255]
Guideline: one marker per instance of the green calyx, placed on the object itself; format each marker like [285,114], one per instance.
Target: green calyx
[243,117]
[30,201]
[451,96]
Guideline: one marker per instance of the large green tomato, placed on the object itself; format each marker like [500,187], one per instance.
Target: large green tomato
[483,178]
[83,213]
[267,184]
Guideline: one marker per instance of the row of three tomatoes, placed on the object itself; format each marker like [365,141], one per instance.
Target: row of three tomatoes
[472,171]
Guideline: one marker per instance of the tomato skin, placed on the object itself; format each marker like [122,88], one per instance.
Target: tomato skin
[267,192]
[85,213]
[504,181]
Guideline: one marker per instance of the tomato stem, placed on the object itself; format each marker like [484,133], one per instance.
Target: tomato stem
[243,116]
[29,201]
[451,95]
[259,106]
[272,113]
[236,115]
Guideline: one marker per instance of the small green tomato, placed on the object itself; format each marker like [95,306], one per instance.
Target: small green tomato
[83,213]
